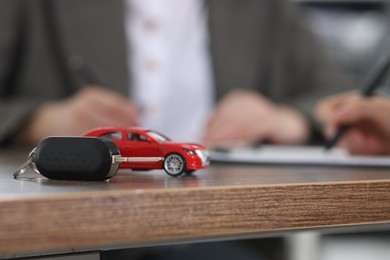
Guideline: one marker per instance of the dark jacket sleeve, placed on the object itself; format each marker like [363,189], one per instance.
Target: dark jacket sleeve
[14,110]
[303,73]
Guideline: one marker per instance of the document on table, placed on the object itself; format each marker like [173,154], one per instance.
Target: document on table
[297,155]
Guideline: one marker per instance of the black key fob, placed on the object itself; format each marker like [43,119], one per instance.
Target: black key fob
[76,158]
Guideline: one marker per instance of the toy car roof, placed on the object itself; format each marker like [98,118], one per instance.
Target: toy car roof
[115,129]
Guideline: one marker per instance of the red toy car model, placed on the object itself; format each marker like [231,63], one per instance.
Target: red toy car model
[144,149]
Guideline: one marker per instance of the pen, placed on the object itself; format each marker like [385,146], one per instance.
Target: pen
[371,82]
[86,72]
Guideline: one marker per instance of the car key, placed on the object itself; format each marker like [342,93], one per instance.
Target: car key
[74,158]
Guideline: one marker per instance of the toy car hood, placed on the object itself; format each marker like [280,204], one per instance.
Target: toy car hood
[189,146]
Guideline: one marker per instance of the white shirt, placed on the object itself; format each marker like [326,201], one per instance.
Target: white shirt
[170,65]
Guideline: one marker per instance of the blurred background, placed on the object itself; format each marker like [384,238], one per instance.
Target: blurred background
[355,33]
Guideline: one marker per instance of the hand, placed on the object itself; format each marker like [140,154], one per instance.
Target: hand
[368,117]
[245,117]
[89,108]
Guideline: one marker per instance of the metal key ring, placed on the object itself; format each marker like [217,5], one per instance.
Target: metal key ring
[29,164]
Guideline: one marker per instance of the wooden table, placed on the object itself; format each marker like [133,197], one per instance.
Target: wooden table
[145,208]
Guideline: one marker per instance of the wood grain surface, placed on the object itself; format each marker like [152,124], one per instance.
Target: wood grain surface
[93,219]
[144,208]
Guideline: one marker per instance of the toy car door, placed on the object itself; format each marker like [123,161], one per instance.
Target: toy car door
[137,145]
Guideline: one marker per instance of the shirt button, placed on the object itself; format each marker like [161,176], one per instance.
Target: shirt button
[151,25]
[151,65]
[152,110]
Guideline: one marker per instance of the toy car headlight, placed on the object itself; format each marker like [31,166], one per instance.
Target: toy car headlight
[191,152]
[204,156]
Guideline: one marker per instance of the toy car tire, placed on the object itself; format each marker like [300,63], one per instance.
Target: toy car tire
[174,164]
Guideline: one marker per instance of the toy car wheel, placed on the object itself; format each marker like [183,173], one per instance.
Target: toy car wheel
[174,164]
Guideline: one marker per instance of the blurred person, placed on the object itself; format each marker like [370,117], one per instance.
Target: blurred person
[369,119]
[218,71]
[215,70]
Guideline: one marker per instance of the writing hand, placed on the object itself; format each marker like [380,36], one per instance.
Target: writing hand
[369,119]
[89,108]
